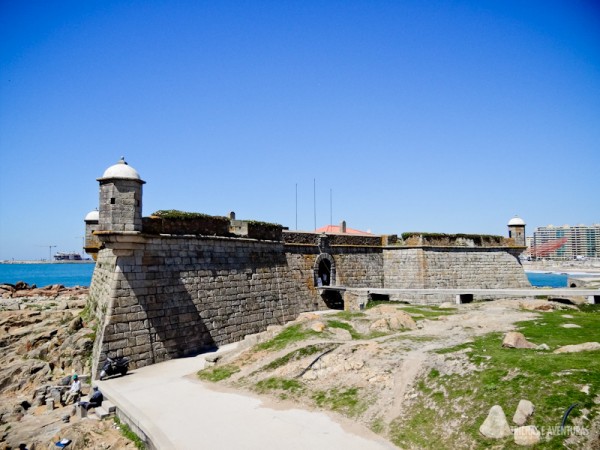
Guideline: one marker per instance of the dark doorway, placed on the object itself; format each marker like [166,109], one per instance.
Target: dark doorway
[379,297]
[333,299]
[324,272]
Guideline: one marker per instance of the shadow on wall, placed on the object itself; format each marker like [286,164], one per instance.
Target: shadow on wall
[174,326]
[224,298]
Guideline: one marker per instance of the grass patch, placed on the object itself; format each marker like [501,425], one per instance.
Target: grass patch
[588,321]
[126,431]
[296,355]
[552,382]
[456,348]
[588,308]
[218,373]
[287,385]
[374,303]
[378,425]
[348,315]
[427,312]
[415,433]
[345,326]
[346,401]
[288,336]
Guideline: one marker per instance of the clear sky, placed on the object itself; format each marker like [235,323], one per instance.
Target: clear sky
[441,116]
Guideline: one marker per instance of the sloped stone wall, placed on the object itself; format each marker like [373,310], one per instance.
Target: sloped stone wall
[101,296]
[164,297]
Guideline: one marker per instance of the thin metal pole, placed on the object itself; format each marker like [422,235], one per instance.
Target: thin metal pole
[331,206]
[296,206]
[315,201]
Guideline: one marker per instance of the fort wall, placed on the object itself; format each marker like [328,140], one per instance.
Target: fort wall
[453,267]
[449,268]
[162,297]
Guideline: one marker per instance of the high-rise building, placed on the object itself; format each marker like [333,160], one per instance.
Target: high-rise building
[566,242]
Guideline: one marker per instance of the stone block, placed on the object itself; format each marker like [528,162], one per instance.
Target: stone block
[81,412]
[117,345]
[101,413]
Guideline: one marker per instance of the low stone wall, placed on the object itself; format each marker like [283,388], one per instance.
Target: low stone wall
[206,226]
[447,267]
[256,230]
[359,240]
[455,240]
[299,237]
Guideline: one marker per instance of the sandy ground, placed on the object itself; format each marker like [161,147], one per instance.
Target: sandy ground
[569,267]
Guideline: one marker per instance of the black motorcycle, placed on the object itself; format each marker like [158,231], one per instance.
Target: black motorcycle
[114,366]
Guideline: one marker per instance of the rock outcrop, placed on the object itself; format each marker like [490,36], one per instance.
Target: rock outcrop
[386,318]
[523,412]
[587,346]
[528,435]
[495,425]
[43,340]
[514,339]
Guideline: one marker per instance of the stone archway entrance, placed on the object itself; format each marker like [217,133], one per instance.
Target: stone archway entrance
[324,270]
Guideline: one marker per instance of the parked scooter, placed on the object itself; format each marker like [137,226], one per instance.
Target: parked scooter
[114,366]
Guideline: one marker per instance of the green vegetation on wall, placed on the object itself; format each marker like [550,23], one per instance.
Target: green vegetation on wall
[175,214]
[411,237]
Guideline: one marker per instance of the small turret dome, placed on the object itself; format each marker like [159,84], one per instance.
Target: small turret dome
[92,216]
[516,221]
[121,170]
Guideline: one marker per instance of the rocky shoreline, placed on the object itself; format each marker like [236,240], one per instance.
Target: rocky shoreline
[45,338]
[19,295]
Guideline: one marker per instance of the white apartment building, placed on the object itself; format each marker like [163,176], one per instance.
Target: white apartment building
[566,242]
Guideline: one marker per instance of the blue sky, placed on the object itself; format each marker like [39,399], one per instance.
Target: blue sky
[447,116]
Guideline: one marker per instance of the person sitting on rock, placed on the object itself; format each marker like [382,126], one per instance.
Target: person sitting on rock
[96,398]
[74,392]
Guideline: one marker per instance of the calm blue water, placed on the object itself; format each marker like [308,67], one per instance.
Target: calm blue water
[554,280]
[68,275]
[81,275]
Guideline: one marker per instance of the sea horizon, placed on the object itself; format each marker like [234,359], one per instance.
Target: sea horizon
[79,273]
[66,273]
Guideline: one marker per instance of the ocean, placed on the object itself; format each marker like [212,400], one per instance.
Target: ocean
[547,279]
[79,274]
[67,274]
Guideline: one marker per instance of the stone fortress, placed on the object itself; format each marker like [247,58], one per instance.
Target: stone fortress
[176,284]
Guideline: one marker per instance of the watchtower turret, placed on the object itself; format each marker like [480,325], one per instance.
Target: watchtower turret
[92,244]
[516,231]
[120,199]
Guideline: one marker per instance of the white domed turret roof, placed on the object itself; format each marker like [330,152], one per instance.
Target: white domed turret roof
[92,215]
[516,221]
[121,170]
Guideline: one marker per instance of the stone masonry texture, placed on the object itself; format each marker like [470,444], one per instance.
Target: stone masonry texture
[162,297]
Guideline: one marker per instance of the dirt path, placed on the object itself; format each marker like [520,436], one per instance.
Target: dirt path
[384,369]
[409,369]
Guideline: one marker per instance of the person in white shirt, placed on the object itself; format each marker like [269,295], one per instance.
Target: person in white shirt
[75,390]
